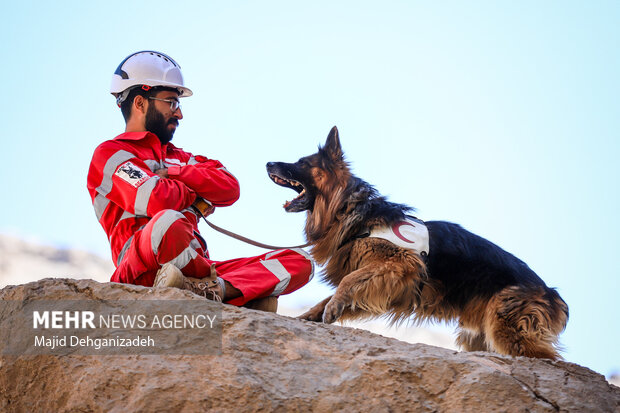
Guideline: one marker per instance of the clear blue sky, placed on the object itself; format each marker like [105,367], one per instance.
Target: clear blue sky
[501,116]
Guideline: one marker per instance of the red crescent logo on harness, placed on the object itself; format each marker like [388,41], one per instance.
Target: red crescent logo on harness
[396,228]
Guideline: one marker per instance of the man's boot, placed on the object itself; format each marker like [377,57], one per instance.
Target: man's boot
[269,304]
[210,287]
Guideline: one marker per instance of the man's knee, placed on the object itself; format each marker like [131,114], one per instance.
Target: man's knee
[168,225]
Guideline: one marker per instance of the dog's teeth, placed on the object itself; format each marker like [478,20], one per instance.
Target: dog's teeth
[301,194]
[283,181]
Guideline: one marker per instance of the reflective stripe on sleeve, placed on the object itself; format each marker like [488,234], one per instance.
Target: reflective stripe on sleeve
[153,164]
[173,162]
[228,172]
[100,204]
[126,215]
[110,167]
[195,244]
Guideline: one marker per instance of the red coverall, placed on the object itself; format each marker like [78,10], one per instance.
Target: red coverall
[149,221]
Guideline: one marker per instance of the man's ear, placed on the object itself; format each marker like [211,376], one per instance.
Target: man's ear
[140,104]
[332,145]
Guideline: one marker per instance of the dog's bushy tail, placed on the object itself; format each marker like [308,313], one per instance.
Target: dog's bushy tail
[526,321]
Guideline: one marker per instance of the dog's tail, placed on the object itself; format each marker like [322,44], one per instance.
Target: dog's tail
[558,308]
[526,321]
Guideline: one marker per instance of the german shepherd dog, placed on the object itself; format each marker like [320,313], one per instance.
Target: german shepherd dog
[500,304]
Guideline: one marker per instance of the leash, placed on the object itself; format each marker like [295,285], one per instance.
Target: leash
[242,238]
[249,241]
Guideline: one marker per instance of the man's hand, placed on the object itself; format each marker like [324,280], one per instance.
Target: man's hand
[163,172]
[204,207]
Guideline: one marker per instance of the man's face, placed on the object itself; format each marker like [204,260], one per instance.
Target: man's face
[160,119]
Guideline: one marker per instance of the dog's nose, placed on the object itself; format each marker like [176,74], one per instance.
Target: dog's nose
[270,164]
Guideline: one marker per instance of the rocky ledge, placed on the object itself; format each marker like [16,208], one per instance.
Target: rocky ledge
[270,362]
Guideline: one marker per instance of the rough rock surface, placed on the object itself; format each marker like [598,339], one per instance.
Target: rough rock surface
[275,363]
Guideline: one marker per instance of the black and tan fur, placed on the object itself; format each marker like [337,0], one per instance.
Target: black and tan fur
[500,304]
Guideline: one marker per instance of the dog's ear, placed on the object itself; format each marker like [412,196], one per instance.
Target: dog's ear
[332,145]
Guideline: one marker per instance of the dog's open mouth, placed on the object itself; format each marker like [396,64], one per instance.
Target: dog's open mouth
[299,202]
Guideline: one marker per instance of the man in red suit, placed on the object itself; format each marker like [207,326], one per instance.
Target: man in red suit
[148,196]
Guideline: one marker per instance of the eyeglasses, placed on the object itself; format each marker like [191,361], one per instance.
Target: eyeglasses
[174,104]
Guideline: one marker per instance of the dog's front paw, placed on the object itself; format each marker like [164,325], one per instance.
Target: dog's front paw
[333,311]
[313,314]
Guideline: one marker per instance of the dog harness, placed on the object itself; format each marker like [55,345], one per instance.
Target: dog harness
[410,233]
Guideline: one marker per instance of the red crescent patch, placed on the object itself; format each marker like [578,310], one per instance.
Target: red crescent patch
[396,230]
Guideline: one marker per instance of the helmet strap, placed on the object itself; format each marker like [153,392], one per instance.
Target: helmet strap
[121,97]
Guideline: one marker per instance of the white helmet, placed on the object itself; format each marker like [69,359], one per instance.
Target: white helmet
[148,69]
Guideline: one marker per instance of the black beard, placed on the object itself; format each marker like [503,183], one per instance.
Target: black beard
[156,123]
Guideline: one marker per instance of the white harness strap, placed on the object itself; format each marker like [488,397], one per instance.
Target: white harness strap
[411,233]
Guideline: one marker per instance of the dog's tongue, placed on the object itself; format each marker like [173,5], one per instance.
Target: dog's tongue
[287,204]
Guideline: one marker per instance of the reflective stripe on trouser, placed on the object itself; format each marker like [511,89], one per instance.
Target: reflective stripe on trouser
[169,237]
[271,274]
